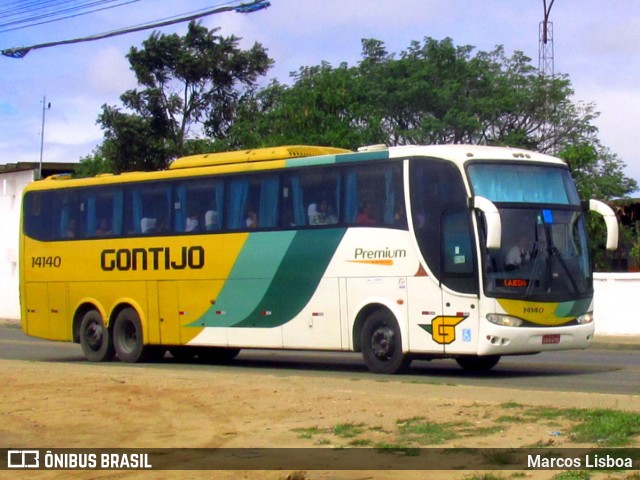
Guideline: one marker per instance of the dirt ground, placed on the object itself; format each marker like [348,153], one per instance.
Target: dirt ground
[61,405]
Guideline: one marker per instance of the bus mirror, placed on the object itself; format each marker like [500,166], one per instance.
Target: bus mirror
[492,219]
[610,220]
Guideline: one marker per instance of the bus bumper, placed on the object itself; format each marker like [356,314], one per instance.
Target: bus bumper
[499,340]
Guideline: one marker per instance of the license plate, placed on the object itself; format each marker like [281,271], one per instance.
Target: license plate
[548,339]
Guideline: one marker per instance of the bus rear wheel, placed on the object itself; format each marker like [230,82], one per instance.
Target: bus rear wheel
[95,339]
[382,344]
[477,363]
[128,339]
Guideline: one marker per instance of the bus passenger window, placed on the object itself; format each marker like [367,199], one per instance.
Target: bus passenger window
[374,195]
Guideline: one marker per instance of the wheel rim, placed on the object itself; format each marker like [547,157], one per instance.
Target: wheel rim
[94,334]
[383,343]
[129,337]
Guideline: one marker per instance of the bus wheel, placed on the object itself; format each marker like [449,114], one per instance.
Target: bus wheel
[476,363]
[95,339]
[382,344]
[217,354]
[128,341]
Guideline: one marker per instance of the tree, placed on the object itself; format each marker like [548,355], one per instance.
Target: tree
[433,92]
[185,83]
[93,164]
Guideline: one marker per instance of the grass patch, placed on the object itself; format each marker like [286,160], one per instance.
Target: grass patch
[572,475]
[510,419]
[308,433]
[611,428]
[348,430]
[418,430]
[483,476]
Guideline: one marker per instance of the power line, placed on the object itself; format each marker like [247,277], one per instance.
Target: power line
[36,13]
[20,52]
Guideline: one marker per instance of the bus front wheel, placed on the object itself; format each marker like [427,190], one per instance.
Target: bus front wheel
[382,344]
[128,339]
[477,363]
[95,340]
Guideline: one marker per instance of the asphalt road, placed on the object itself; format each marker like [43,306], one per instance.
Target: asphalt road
[604,368]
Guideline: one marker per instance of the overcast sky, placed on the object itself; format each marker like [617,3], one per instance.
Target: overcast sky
[596,43]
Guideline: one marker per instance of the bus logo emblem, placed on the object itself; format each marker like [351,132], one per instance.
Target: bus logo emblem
[443,328]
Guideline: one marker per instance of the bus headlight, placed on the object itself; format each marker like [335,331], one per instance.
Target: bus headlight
[585,318]
[504,320]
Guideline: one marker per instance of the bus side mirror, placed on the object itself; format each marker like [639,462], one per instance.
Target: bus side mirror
[609,219]
[492,219]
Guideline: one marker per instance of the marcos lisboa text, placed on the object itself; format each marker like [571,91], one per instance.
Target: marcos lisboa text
[32,459]
[588,461]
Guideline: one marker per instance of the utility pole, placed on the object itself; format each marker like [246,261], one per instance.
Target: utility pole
[45,106]
[545,44]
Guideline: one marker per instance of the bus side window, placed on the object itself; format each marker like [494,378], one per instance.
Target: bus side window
[40,221]
[103,212]
[458,272]
[147,209]
[69,211]
[198,206]
[374,195]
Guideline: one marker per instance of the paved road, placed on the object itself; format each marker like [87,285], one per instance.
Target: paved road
[604,368]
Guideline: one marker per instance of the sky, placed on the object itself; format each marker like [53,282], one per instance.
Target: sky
[595,42]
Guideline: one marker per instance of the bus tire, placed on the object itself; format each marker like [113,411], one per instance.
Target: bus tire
[95,339]
[477,363]
[382,344]
[217,354]
[128,338]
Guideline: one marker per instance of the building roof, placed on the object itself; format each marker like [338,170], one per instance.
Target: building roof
[48,168]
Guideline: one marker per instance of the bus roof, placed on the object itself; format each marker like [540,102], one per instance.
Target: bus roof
[254,155]
[298,155]
[460,153]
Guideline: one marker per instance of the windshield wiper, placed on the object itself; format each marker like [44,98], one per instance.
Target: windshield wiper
[565,267]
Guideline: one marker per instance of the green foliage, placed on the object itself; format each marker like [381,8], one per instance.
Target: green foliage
[610,428]
[185,82]
[433,92]
[93,164]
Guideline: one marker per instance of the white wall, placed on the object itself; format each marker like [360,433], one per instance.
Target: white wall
[11,186]
[617,303]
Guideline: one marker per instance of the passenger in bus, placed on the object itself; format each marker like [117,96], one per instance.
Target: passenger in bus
[210,220]
[71,228]
[312,214]
[147,224]
[518,255]
[103,227]
[400,216]
[365,214]
[321,214]
[192,223]
[251,218]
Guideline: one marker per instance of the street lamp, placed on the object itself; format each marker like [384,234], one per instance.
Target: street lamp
[45,106]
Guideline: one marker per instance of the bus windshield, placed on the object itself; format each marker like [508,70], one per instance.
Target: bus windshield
[544,253]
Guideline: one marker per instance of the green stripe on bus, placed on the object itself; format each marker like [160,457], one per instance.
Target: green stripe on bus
[297,278]
[273,278]
[248,280]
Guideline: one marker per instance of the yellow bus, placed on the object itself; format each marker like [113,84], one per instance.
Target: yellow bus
[455,251]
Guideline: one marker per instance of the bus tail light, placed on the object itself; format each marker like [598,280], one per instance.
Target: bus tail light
[504,320]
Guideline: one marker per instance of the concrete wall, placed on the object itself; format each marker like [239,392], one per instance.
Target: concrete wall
[11,185]
[617,303]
